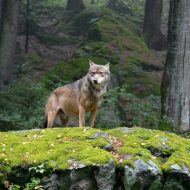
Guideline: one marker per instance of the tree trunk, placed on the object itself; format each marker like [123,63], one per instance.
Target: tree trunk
[176,79]
[75,5]
[0,9]
[152,24]
[8,33]
[27,26]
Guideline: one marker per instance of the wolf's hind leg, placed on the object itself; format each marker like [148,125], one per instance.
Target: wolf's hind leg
[64,118]
[51,118]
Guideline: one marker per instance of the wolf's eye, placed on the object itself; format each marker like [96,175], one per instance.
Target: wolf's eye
[100,72]
[93,73]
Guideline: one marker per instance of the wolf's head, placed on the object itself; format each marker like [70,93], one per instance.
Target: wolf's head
[99,75]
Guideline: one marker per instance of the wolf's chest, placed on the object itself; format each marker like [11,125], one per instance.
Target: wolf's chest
[90,104]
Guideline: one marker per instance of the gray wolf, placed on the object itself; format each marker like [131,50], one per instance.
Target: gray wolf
[78,97]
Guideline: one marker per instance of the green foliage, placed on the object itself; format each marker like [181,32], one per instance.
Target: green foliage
[15,187]
[34,184]
[22,104]
[38,169]
[109,110]
[140,81]
[144,112]
[34,58]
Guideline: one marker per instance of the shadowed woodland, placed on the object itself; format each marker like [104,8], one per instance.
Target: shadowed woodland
[46,44]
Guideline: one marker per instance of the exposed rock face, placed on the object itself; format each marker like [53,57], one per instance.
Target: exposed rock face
[89,178]
[105,176]
[140,176]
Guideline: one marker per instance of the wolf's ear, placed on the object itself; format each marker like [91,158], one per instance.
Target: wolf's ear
[107,65]
[91,63]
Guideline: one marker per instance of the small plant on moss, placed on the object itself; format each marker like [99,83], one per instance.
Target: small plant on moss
[34,184]
[38,169]
[15,187]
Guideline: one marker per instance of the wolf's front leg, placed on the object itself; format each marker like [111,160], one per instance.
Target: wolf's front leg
[93,117]
[81,116]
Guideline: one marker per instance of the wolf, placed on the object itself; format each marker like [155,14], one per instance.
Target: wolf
[78,97]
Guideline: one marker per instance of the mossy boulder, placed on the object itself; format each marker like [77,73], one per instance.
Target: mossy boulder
[62,153]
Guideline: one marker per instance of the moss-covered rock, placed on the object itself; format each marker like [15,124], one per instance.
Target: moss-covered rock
[44,152]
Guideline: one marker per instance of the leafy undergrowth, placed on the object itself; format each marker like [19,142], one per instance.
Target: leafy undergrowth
[68,148]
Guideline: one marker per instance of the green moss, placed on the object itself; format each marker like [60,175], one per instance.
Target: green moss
[164,148]
[111,27]
[58,145]
[59,148]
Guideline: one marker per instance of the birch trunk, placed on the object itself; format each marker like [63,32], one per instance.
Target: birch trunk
[176,79]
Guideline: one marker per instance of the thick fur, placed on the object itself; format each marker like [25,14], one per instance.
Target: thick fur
[78,97]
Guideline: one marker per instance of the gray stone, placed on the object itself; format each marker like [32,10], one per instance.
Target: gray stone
[52,183]
[98,135]
[163,139]
[180,170]
[105,176]
[108,147]
[141,175]
[127,130]
[84,184]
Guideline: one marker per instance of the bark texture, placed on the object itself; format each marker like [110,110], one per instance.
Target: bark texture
[0,10]
[152,24]
[75,5]
[8,33]
[176,79]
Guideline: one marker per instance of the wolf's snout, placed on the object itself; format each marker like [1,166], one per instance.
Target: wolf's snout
[95,81]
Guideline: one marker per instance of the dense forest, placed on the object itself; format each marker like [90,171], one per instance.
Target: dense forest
[41,40]
[47,44]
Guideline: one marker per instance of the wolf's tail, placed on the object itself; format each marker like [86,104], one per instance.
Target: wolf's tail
[45,122]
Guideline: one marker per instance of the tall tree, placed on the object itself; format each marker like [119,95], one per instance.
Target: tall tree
[176,79]
[0,8]
[27,25]
[75,5]
[152,24]
[8,33]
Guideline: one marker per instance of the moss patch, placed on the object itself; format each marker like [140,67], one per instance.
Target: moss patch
[58,148]
[58,145]
[164,148]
